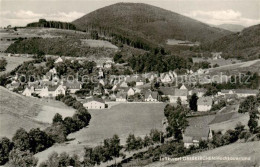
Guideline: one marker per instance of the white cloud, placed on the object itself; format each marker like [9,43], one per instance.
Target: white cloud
[222,17]
[22,17]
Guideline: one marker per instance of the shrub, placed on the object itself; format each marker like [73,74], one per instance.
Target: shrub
[22,158]
[5,147]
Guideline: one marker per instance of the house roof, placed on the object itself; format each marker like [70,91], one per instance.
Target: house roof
[201,90]
[196,133]
[94,99]
[205,101]
[72,85]
[167,90]
[152,93]
[53,88]
[180,92]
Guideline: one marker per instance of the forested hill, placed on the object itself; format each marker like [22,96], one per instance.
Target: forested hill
[52,24]
[245,44]
[136,21]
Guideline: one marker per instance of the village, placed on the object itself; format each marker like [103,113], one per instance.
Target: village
[110,90]
[120,84]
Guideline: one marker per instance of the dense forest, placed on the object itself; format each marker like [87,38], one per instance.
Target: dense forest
[52,24]
[58,46]
[158,62]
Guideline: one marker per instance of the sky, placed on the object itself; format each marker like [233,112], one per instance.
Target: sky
[215,12]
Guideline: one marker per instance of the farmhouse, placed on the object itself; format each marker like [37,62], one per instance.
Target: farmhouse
[204,103]
[94,103]
[28,91]
[179,93]
[130,92]
[124,85]
[52,91]
[193,135]
[151,96]
[72,87]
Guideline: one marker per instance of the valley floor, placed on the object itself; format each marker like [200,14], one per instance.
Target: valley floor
[121,119]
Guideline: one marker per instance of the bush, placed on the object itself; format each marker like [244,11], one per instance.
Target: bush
[22,158]
[61,160]
[5,147]
[57,132]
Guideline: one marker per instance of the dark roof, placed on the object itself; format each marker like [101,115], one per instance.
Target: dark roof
[167,90]
[196,133]
[152,93]
[94,99]
[72,85]
[53,88]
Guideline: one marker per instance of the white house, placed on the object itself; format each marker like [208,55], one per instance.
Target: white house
[193,135]
[94,103]
[52,91]
[204,103]
[72,87]
[124,84]
[179,93]
[28,91]
[165,78]
[151,96]
[130,92]
[139,82]
[53,71]
[58,60]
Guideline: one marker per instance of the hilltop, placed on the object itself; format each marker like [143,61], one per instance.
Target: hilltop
[244,44]
[141,22]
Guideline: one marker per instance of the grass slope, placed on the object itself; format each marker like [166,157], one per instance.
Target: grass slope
[251,149]
[17,111]
[147,22]
[121,119]
[13,62]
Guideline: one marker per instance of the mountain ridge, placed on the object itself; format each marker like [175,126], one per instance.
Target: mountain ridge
[147,22]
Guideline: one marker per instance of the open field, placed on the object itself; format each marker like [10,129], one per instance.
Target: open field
[26,112]
[250,149]
[253,66]
[13,62]
[48,113]
[98,43]
[121,119]
[180,42]
[220,62]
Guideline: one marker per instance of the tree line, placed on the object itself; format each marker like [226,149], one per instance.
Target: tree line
[52,24]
